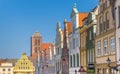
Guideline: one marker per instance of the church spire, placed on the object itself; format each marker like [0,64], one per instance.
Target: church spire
[74,5]
[74,10]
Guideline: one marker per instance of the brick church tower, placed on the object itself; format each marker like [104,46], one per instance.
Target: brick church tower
[36,42]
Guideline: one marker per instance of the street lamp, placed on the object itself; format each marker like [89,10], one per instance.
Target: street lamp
[111,67]
[108,61]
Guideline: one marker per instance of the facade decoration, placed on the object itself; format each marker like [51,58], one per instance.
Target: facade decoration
[24,66]
[105,39]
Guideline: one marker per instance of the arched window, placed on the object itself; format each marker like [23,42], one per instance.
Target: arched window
[100,24]
[70,61]
[107,19]
[35,41]
[74,59]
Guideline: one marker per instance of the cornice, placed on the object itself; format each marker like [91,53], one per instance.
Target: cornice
[106,33]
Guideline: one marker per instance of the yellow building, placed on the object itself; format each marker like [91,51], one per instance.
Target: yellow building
[24,66]
[83,33]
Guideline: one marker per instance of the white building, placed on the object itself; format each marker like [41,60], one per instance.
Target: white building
[74,43]
[6,68]
[117,23]
[58,47]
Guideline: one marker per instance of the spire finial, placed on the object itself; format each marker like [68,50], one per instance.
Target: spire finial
[75,4]
[58,23]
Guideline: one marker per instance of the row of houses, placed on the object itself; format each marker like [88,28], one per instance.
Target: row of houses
[89,43]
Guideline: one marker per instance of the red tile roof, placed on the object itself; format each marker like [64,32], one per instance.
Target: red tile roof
[46,45]
[63,33]
[69,27]
[81,16]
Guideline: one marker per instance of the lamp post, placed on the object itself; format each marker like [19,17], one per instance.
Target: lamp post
[108,62]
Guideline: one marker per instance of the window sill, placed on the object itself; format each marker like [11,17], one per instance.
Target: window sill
[105,54]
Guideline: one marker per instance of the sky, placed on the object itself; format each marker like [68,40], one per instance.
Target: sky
[19,19]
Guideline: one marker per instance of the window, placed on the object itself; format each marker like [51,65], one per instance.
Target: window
[88,56]
[73,28]
[35,49]
[74,59]
[35,41]
[107,19]
[90,35]
[70,45]
[77,60]
[3,69]
[104,25]
[58,50]
[106,4]
[70,61]
[9,69]
[98,48]
[100,25]
[119,15]
[105,46]
[112,44]
[73,43]
[38,42]
[103,6]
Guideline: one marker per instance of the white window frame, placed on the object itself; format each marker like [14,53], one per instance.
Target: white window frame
[90,35]
[112,43]
[105,47]
[98,48]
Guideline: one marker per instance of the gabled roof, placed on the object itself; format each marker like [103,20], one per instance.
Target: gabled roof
[69,27]
[24,62]
[46,45]
[63,33]
[81,16]
[13,61]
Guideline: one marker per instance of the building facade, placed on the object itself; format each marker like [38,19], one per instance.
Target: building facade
[74,40]
[24,66]
[58,48]
[6,68]
[83,55]
[105,39]
[117,23]
[90,40]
